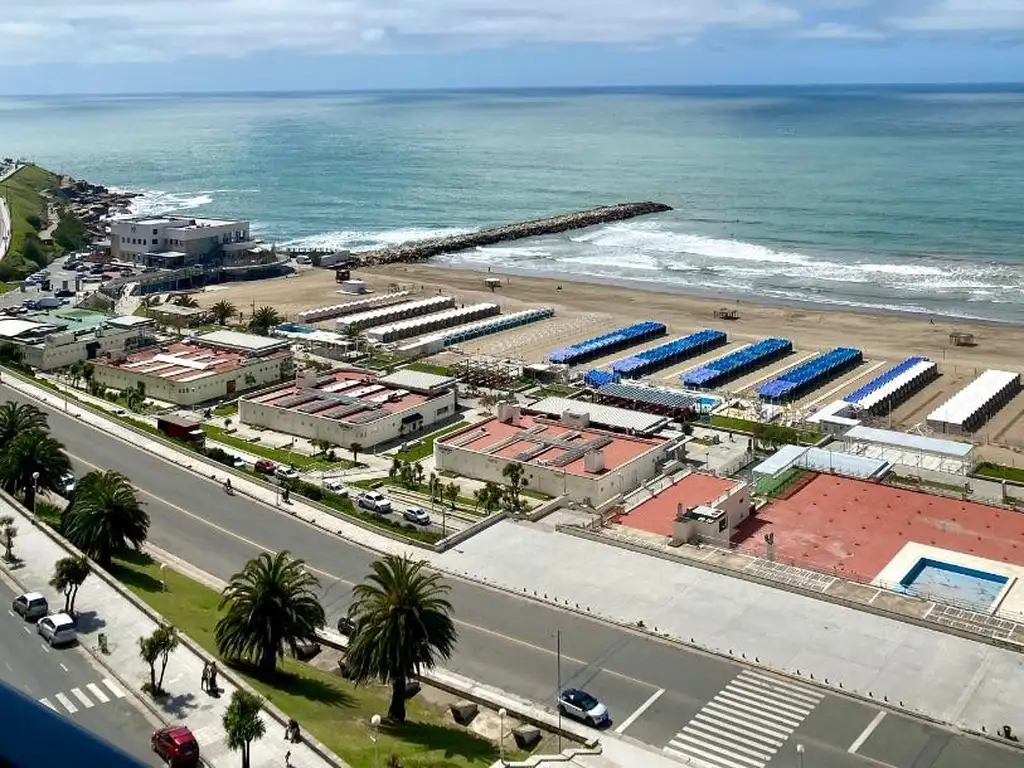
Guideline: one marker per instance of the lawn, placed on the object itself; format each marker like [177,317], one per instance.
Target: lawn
[426,446]
[22,192]
[327,706]
[438,370]
[277,455]
[226,409]
[1000,472]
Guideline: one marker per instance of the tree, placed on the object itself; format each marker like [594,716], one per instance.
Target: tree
[223,311]
[263,319]
[434,487]
[417,473]
[355,448]
[34,461]
[489,497]
[516,482]
[271,603]
[105,517]
[452,491]
[135,396]
[403,624]
[16,418]
[157,649]
[242,722]
[397,466]
[69,573]
[186,300]
[8,533]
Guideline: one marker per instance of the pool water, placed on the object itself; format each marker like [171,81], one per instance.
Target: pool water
[295,328]
[951,583]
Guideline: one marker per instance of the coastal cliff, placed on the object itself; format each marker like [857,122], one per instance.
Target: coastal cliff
[421,250]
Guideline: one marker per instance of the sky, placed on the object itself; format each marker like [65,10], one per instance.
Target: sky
[154,46]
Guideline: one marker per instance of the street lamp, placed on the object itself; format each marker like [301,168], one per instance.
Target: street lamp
[501,735]
[35,490]
[800,754]
[374,735]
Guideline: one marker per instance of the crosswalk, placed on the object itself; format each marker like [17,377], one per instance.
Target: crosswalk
[88,698]
[746,723]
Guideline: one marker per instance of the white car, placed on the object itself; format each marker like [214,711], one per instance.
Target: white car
[286,473]
[67,482]
[374,501]
[31,605]
[416,515]
[336,486]
[583,707]
[57,629]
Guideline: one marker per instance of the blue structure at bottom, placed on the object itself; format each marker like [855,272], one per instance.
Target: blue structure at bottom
[951,583]
[598,378]
[798,380]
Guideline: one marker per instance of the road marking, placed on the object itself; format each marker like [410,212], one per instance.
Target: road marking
[746,723]
[45,647]
[96,691]
[866,733]
[47,703]
[66,703]
[113,687]
[28,631]
[86,701]
[63,667]
[11,614]
[640,710]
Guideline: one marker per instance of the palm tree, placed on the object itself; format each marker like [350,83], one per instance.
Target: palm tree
[263,319]
[34,461]
[8,533]
[271,603]
[452,492]
[69,573]
[417,473]
[242,723]
[355,448]
[16,418]
[397,465]
[106,517]
[403,624]
[186,301]
[223,311]
[435,487]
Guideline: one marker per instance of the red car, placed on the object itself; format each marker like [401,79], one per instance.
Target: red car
[265,466]
[176,746]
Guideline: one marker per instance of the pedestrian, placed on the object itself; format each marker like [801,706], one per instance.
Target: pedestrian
[206,676]
[288,759]
[213,678]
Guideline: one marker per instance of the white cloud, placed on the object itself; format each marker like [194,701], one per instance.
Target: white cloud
[84,31]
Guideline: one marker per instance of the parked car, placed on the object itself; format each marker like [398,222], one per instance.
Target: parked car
[31,605]
[265,466]
[67,484]
[374,501]
[346,626]
[336,486]
[57,629]
[286,473]
[176,746]
[583,707]
[416,515]
[119,411]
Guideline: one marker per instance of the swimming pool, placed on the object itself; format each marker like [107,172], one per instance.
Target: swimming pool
[957,584]
[295,328]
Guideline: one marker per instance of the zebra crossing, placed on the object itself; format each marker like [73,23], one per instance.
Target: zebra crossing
[746,723]
[83,699]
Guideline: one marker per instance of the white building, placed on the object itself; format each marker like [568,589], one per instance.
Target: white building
[177,242]
[353,406]
[210,367]
[48,341]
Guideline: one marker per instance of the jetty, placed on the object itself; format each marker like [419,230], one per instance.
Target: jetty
[420,250]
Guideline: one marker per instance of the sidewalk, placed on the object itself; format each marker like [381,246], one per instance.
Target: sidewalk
[104,607]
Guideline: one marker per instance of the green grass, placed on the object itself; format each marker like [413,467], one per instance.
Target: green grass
[277,455]
[22,192]
[330,708]
[426,446]
[437,370]
[555,390]
[226,409]
[5,287]
[777,486]
[391,523]
[994,471]
[753,427]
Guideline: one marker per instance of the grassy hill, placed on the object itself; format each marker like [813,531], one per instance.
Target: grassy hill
[23,192]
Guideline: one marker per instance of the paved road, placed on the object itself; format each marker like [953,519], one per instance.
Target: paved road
[70,683]
[667,696]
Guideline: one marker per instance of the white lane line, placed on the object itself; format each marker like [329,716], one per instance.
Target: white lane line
[728,699]
[783,684]
[86,701]
[63,667]
[28,631]
[739,730]
[640,710]
[96,691]
[707,752]
[45,647]
[866,733]
[47,703]
[113,687]
[10,613]
[66,703]
[806,694]
[761,696]
[707,735]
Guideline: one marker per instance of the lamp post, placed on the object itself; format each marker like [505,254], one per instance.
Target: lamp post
[800,754]
[374,735]
[558,693]
[35,490]
[501,735]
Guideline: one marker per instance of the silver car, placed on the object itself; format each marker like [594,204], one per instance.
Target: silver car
[416,515]
[581,706]
[31,605]
[58,629]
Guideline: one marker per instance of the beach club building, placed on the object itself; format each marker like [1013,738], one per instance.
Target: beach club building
[559,457]
[353,406]
[205,368]
[172,242]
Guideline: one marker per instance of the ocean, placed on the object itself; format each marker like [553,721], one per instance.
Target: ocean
[894,198]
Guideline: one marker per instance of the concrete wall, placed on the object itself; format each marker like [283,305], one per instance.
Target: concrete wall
[59,353]
[588,489]
[314,427]
[264,371]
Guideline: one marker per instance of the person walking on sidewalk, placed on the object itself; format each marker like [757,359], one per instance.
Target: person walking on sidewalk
[212,682]
[206,676]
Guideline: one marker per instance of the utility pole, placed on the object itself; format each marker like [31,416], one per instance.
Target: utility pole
[558,655]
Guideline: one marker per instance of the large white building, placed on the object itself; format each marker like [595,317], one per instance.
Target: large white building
[172,242]
[353,406]
[214,366]
[52,340]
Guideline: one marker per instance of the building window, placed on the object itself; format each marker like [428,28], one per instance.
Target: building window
[442,411]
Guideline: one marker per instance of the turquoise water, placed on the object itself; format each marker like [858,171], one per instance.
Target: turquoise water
[895,198]
[954,584]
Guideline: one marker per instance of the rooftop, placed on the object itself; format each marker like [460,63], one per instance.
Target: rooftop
[417,380]
[657,514]
[130,321]
[601,415]
[343,396]
[543,443]
[913,442]
[170,308]
[11,328]
[180,362]
[242,342]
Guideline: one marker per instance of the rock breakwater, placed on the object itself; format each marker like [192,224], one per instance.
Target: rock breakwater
[421,250]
